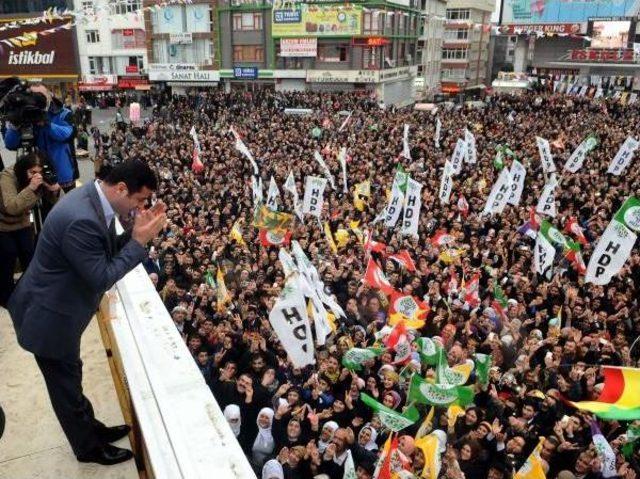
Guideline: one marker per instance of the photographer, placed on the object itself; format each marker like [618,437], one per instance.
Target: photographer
[21,186]
[52,135]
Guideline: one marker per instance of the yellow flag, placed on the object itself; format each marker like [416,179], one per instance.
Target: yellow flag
[327,232]
[236,234]
[342,237]
[427,425]
[411,323]
[355,227]
[222,293]
[451,255]
[532,468]
[452,414]
[430,447]
[360,191]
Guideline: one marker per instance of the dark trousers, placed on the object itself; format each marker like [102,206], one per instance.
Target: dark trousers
[72,408]
[14,245]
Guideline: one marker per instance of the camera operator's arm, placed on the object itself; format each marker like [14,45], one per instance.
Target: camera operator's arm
[59,131]
[14,202]
[12,137]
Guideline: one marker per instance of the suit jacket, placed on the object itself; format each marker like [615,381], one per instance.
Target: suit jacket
[76,261]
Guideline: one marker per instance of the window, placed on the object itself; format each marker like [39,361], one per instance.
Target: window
[248,53]
[247,21]
[454,53]
[100,65]
[93,66]
[388,23]
[458,14]
[128,38]
[122,7]
[454,74]
[371,58]
[93,36]
[459,34]
[372,22]
[198,52]
[333,53]
[86,5]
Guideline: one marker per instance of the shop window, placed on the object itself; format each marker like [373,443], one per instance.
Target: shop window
[333,53]
[248,53]
[247,21]
[93,36]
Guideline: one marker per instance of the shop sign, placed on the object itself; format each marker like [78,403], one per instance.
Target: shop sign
[299,47]
[602,55]
[245,73]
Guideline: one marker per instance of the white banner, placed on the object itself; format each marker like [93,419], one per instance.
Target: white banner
[624,156]
[298,47]
[518,175]
[547,202]
[290,186]
[313,195]
[545,155]
[242,148]
[543,255]
[325,168]
[610,254]
[272,195]
[412,205]
[436,137]
[406,151]
[290,322]
[472,154]
[499,195]
[575,161]
[458,156]
[256,190]
[392,212]
[342,158]
[446,183]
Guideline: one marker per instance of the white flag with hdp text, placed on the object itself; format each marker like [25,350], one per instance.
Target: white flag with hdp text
[313,195]
[472,154]
[518,175]
[458,156]
[499,195]
[272,195]
[624,156]
[446,183]
[548,166]
[412,205]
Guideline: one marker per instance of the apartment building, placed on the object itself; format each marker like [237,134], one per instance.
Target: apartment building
[465,48]
[112,45]
[430,47]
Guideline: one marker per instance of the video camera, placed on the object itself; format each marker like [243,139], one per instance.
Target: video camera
[22,107]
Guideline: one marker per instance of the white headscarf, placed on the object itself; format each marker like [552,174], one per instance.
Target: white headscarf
[264,439]
[371,445]
[232,415]
[332,426]
[272,470]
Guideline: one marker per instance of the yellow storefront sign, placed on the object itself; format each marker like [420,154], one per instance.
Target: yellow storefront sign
[313,20]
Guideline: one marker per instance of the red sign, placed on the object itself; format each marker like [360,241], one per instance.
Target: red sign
[131,82]
[370,42]
[604,55]
[131,69]
[543,28]
[127,32]
[94,87]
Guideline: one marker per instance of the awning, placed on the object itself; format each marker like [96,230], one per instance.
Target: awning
[477,87]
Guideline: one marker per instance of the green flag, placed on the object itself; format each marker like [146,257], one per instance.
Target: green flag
[429,350]
[401,178]
[629,214]
[633,434]
[499,296]
[483,366]
[423,392]
[498,161]
[353,359]
[388,417]
[209,279]
[553,235]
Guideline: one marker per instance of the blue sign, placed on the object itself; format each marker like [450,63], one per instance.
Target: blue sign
[287,16]
[245,73]
[565,11]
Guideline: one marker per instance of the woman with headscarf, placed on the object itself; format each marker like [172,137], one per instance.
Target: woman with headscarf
[272,469]
[470,461]
[326,435]
[263,444]
[367,437]
[232,415]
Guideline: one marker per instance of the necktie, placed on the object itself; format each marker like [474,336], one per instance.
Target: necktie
[112,233]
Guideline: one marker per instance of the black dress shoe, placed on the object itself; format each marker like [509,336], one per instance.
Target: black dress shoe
[112,434]
[106,455]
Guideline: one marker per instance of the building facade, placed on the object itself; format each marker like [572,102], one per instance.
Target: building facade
[112,45]
[465,48]
[51,59]
[430,47]
[291,45]
[591,49]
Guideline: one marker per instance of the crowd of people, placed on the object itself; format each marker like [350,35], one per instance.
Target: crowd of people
[547,346]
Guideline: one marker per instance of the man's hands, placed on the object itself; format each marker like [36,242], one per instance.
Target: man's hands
[149,223]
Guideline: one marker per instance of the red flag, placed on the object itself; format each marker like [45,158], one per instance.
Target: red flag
[272,238]
[441,238]
[197,165]
[390,447]
[452,285]
[472,291]
[375,246]
[574,228]
[404,259]
[374,277]
[534,219]
[397,333]
[463,206]
[407,305]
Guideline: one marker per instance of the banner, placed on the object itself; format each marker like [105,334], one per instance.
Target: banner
[264,218]
[624,156]
[436,137]
[242,148]
[615,245]
[545,155]
[547,202]
[575,161]
[342,158]
[272,195]
[313,195]
[392,211]
[299,47]
[499,195]
[406,151]
[458,156]
[543,255]
[305,20]
[290,322]
[518,175]
[325,168]
[290,186]
[446,183]
[412,205]
[256,190]
[472,154]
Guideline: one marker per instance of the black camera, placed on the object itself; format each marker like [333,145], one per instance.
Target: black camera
[48,174]
[22,107]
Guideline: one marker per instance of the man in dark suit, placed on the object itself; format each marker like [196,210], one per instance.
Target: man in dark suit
[77,259]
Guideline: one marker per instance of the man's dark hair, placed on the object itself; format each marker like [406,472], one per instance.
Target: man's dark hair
[135,174]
